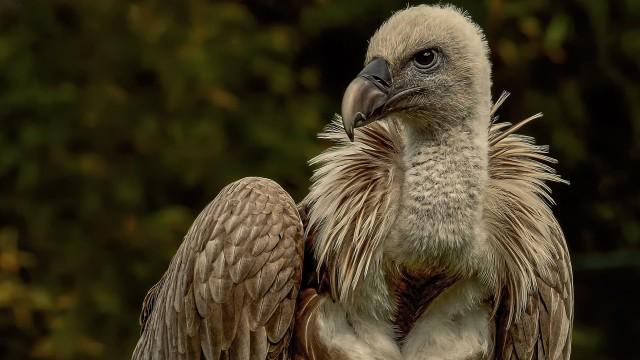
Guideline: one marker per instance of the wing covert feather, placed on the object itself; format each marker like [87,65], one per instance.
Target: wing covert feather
[230,290]
[543,331]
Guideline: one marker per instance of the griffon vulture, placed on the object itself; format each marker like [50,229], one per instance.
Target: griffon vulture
[428,229]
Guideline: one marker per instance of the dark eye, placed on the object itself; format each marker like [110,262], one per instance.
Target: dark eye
[427,59]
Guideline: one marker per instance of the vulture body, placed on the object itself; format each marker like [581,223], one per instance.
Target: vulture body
[427,231]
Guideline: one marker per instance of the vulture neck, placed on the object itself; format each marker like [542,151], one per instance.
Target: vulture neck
[443,191]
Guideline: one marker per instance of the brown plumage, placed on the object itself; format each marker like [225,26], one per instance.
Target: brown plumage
[231,289]
[429,236]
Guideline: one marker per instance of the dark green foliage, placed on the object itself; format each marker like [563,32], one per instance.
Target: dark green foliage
[119,121]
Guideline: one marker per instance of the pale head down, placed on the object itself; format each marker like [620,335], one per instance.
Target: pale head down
[427,64]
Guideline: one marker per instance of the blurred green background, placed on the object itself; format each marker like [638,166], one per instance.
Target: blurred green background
[120,120]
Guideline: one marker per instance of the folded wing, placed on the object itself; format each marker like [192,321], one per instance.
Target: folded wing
[543,331]
[231,289]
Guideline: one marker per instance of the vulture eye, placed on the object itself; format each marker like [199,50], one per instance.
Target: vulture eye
[427,59]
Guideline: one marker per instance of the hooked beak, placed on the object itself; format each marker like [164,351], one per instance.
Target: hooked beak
[366,95]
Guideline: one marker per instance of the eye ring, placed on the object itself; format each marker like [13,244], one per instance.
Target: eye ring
[427,59]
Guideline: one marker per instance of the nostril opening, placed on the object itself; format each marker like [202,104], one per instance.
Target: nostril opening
[377,72]
[381,81]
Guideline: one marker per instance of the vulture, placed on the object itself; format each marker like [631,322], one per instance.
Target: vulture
[427,231]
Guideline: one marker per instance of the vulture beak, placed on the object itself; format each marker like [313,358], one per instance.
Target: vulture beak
[366,95]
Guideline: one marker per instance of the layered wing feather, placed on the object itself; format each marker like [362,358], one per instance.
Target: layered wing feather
[543,330]
[231,289]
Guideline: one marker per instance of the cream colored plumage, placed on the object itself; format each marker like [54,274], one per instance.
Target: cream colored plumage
[431,233]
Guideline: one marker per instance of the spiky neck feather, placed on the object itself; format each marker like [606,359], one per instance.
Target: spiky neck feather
[355,200]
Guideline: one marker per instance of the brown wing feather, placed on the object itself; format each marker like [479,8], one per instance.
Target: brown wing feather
[543,330]
[306,345]
[148,302]
[231,289]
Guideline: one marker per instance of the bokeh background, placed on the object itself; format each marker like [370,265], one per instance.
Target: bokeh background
[120,120]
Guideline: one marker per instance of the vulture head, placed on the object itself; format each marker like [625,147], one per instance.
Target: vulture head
[426,65]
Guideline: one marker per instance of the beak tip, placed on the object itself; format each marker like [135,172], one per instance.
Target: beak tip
[348,129]
[351,123]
